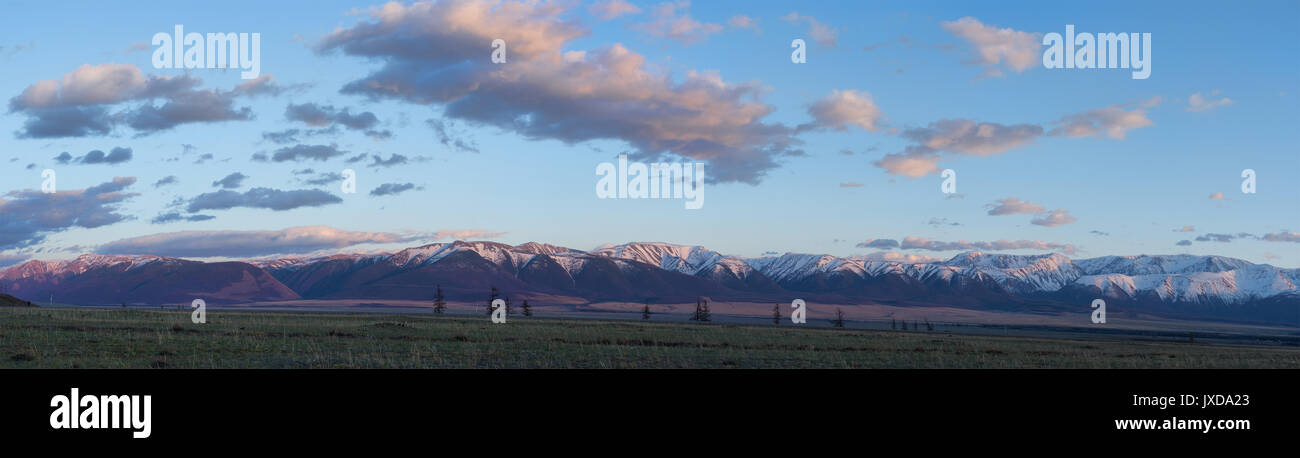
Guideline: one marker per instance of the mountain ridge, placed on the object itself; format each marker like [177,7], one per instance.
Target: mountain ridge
[662,272]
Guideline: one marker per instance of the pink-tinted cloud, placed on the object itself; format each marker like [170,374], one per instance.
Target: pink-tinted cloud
[997,47]
[1012,206]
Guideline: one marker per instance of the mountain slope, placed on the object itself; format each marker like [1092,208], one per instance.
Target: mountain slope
[110,280]
[1179,285]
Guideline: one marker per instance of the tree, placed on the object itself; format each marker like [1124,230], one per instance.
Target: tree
[645,312]
[492,297]
[528,311]
[928,326]
[776,314]
[507,301]
[701,311]
[839,318]
[439,301]
[905,325]
[893,323]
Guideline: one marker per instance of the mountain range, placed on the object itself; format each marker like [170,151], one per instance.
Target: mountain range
[1181,286]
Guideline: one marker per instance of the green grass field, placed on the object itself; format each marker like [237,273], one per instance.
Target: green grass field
[106,338]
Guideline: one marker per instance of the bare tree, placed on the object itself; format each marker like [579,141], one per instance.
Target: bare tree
[701,311]
[839,318]
[439,301]
[492,297]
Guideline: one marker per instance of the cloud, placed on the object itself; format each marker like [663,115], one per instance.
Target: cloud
[430,55]
[741,21]
[392,189]
[77,104]
[821,33]
[922,243]
[115,156]
[231,181]
[323,178]
[97,85]
[27,216]
[913,162]
[1221,238]
[996,48]
[394,159]
[1187,228]
[235,244]
[1100,233]
[670,23]
[610,9]
[1184,243]
[1113,121]
[878,243]
[282,137]
[268,198]
[326,115]
[169,179]
[846,108]
[1217,196]
[1012,206]
[966,136]
[461,234]
[907,258]
[955,136]
[302,153]
[264,85]
[288,136]
[1058,217]
[1197,103]
[851,184]
[186,107]
[65,122]
[445,136]
[1293,237]
[172,217]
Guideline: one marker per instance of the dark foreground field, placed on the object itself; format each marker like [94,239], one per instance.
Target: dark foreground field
[106,338]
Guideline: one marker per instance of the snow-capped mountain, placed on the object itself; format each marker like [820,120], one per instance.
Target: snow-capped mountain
[690,260]
[1177,284]
[95,279]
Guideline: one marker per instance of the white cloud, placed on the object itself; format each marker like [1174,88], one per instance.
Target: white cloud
[995,47]
[611,9]
[1197,103]
[741,21]
[1113,121]
[846,108]
[821,33]
[672,22]
[1012,206]
[1058,217]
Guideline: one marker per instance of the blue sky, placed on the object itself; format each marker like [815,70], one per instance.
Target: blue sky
[916,64]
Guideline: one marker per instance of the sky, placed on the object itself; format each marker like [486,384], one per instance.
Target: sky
[841,154]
